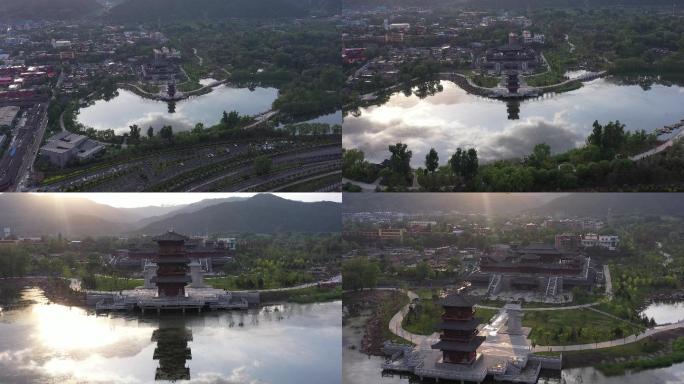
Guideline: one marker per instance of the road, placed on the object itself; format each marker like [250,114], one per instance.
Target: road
[185,169]
[26,139]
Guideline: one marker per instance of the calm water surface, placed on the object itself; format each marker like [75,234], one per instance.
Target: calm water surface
[665,313]
[48,343]
[453,118]
[128,108]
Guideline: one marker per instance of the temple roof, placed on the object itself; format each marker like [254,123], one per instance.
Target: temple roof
[171,279]
[455,346]
[458,300]
[171,259]
[170,236]
[464,325]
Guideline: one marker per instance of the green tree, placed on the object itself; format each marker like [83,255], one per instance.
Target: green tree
[432,161]
[262,165]
[135,133]
[166,132]
[400,160]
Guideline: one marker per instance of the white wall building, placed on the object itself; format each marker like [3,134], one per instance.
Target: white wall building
[609,242]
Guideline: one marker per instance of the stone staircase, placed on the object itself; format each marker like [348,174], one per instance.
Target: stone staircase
[552,286]
[494,285]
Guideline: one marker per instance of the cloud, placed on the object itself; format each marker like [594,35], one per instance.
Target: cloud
[519,140]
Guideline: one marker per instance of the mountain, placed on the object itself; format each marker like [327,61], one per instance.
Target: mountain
[188,208]
[493,203]
[35,214]
[601,204]
[263,213]
[47,9]
[173,10]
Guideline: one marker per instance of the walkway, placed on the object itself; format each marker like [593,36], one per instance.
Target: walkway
[613,343]
[201,60]
[262,118]
[395,324]
[365,187]
[659,148]
[579,306]
[609,281]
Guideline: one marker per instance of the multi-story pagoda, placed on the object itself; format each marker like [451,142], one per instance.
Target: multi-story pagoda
[172,265]
[458,340]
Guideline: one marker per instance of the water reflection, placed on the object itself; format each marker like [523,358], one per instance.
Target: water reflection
[453,118]
[665,313]
[288,343]
[127,109]
[172,350]
[513,108]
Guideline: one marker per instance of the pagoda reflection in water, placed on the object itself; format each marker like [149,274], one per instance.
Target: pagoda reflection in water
[172,350]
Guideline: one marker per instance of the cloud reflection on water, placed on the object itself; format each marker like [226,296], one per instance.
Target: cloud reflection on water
[454,118]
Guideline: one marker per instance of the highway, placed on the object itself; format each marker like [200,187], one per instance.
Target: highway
[17,161]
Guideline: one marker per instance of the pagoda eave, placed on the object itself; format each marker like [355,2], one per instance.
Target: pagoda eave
[171,279]
[453,346]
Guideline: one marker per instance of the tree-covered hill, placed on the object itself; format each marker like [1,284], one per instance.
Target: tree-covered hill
[47,9]
[169,10]
[262,213]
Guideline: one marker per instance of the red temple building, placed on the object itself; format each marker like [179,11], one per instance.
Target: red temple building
[458,340]
[172,265]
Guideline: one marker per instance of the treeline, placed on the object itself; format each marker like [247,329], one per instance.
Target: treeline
[283,260]
[602,164]
[301,60]
[154,10]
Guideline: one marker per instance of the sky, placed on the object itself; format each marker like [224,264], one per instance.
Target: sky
[135,200]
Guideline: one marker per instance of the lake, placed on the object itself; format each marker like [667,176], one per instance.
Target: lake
[128,108]
[45,342]
[454,118]
[665,313]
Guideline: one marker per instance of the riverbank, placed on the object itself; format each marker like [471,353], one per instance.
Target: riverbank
[304,295]
[57,290]
[653,352]
[379,306]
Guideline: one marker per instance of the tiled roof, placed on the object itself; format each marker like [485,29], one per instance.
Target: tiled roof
[171,236]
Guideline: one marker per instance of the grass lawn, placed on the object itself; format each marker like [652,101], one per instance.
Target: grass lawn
[108,283]
[424,319]
[576,326]
[304,295]
[485,81]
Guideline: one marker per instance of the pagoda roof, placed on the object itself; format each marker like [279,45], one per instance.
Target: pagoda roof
[458,300]
[171,236]
[463,325]
[170,259]
[455,346]
[171,279]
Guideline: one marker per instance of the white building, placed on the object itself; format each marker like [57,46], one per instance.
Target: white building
[529,38]
[57,44]
[66,146]
[229,242]
[402,27]
[609,242]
